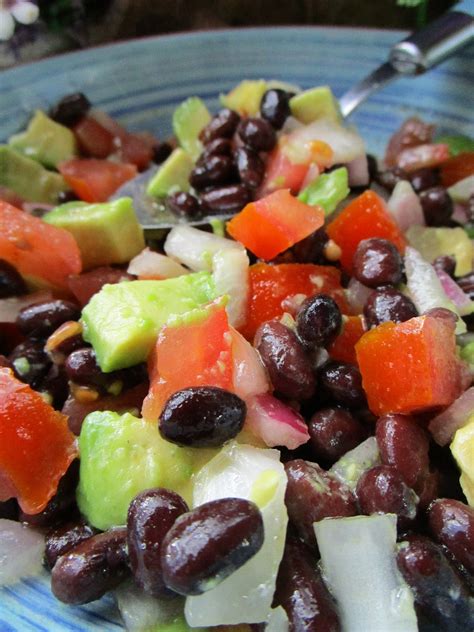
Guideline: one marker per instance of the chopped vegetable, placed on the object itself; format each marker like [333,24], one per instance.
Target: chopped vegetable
[153,265]
[350,467]
[421,370]
[230,272]
[271,286]
[457,168]
[364,217]
[457,143]
[327,190]
[95,180]
[21,552]
[343,347]
[36,446]
[276,424]
[404,206]
[444,425]
[37,250]
[274,223]
[462,449]
[435,242]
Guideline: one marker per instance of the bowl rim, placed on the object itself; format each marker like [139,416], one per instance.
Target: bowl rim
[197,33]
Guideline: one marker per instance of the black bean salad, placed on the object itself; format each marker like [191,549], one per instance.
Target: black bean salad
[264,423]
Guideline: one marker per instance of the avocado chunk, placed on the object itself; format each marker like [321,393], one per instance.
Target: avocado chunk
[245,98]
[122,321]
[457,143]
[189,119]
[121,456]
[433,242]
[28,178]
[327,190]
[45,140]
[172,176]
[105,233]
[313,104]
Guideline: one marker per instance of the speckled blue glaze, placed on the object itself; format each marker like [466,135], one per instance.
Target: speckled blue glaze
[140,82]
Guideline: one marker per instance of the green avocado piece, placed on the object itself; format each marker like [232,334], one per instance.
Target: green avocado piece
[313,104]
[173,175]
[28,178]
[327,190]
[122,321]
[121,456]
[457,143]
[45,140]
[105,233]
[189,119]
[433,242]
[245,98]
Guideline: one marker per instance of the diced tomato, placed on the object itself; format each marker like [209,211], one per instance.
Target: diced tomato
[93,138]
[422,156]
[272,287]
[207,345]
[95,180]
[274,223]
[37,250]
[36,446]
[409,367]
[364,217]
[135,150]
[282,173]
[457,168]
[85,285]
[343,347]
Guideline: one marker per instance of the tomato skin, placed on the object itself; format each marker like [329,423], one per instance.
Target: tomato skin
[363,218]
[343,347]
[37,249]
[36,446]
[272,286]
[410,367]
[282,173]
[95,180]
[135,150]
[457,168]
[207,345]
[274,223]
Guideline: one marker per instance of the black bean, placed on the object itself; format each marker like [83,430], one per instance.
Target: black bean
[217,147]
[64,538]
[222,125]
[372,166]
[275,107]
[66,196]
[213,171]
[257,134]
[161,151]
[288,366]
[446,263]
[313,494]
[388,304]
[452,523]
[92,568]
[55,384]
[29,361]
[424,178]
[389,178]
[70,109]
[250,167]
[333,432]
[381,489]
[311,249]
[302,593]
[377,262]
[11,281]
[184,205]
[229,199]
[41,319]
[82,368]
[466,283]
[319,321]
[150,516]
[61,505]
[343,382]
[209,543]
[202,416]
[438,589]
[437,206]
[9,509]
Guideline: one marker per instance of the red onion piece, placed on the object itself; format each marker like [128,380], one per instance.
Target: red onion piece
[275,423]
[444,425]
[9,307]
[455,293]
[429,155]
[357,295]
[249,375]
[404,205]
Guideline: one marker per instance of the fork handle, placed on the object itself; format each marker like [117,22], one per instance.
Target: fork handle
[429,46]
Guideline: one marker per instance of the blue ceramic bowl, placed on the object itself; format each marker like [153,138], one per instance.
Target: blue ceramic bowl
[141,82]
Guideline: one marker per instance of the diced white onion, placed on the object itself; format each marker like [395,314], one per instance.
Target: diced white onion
[246,596]
[350,467]
[21,552]
[141,612]
[359,567]
[345,143]
[25,12]
[405,207]
[152,265]
[230,271]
